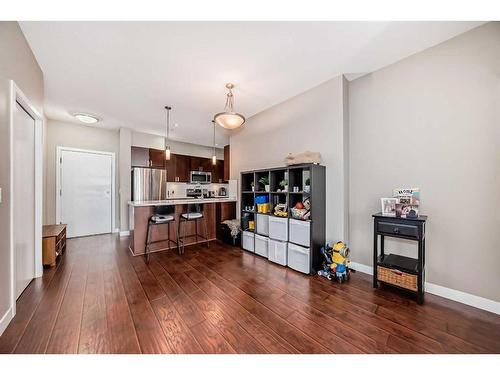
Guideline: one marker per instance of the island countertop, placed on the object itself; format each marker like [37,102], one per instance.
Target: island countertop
[215,211]
[178,201]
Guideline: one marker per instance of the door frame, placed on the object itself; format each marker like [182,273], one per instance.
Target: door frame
[60,149]
[17,96]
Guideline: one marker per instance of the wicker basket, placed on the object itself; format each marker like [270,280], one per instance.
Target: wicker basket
[397,277]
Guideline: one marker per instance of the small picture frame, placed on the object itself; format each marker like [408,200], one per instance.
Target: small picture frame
[388,206]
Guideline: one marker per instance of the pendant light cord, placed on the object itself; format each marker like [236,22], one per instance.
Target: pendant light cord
[168,121]
[229,101]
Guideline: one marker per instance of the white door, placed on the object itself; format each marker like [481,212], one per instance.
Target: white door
[24,197]
[86,192]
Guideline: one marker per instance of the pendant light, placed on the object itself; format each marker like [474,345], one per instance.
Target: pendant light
[229,119]
[214,156]
[167,133]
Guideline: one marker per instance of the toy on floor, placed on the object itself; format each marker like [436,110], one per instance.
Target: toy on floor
[336,262]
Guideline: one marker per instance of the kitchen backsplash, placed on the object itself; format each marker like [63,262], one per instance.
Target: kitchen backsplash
[178,189]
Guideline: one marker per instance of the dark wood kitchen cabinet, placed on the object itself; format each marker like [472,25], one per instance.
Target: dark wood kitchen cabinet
[227,170]
[170,168]
[182,168]
[217,171]
[157,158]
[195,163]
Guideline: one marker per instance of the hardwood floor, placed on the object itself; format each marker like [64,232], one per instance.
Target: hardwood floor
[100,299]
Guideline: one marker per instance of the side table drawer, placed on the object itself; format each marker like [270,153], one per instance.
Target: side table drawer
[391,228]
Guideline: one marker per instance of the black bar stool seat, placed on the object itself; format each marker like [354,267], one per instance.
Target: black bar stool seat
[194,213]
[162,215]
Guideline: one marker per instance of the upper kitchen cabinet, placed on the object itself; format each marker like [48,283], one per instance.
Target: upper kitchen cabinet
[157,158]
[195,163]
[227,170]
[170,167]
[140,156]
[182,168]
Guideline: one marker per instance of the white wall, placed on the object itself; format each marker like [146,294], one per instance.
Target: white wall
[76,136]
[314,121]
[433,121]
[16,63]
[154,141]
[124,166]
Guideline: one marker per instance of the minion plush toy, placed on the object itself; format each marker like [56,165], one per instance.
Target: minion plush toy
[340,261]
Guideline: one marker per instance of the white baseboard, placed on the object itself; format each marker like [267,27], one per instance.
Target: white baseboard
[124,233]
[116,230]
[6,318]
[361,268]
[451,294]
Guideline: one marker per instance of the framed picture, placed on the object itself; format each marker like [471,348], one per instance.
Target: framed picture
[388,206]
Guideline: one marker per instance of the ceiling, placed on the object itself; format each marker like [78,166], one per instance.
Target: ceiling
[126,72]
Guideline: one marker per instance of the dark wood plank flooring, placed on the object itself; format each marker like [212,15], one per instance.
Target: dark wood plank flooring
[100,299]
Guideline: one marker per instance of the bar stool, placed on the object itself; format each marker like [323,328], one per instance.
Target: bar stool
[194,213]
[162,215]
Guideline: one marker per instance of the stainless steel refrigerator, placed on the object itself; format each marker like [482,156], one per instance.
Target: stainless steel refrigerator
[149,184]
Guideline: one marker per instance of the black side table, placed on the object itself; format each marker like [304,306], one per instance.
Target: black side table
[409,229]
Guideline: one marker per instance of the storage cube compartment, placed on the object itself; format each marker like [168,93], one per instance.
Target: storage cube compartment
[300,232]
[261,245]
[247,241]
[278,252]
[262,224]
[259,186]
[247,180]
[277,176]
[278,228]
[299,258]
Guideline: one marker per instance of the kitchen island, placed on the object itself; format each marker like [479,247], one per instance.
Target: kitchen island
[216,210]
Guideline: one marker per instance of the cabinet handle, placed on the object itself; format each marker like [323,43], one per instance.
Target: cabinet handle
[396,230]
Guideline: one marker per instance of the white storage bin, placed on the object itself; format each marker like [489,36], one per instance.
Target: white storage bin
[261,245]
[299,258]
[248,241]
[278,252]
[278,228]
[300,232]
[263,224]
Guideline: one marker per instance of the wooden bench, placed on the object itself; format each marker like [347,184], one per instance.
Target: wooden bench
[53,243]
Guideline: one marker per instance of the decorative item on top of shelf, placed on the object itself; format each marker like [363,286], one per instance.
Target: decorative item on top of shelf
[264,180]
[302,210]
[303,158]
[281,210]
[307,185]
[408,201]
[252,186]
[336,262]
[284,185]
[388,206]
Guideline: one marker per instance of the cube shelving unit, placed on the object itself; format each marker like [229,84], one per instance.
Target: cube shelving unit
[297,176]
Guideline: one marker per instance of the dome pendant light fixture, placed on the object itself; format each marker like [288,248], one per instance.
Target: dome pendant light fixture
[167,133]
[229,119]
[214,155]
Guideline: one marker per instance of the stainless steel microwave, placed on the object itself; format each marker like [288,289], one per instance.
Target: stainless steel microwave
[198,177]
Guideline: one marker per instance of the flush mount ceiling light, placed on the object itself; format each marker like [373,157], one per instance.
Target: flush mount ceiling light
[86,118]
[229,119]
